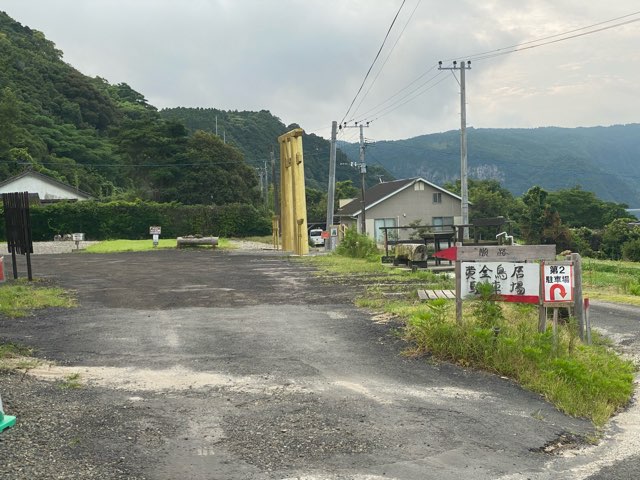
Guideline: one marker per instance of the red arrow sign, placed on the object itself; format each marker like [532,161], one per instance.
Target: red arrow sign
[450,253]
[557,288]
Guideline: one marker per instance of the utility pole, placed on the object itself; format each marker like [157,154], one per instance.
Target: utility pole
[328,243]
[463,141]
[266,185]
[276,201]
[363,172]
[261,175]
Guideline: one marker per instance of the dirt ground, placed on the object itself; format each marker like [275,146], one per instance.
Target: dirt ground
[246,365]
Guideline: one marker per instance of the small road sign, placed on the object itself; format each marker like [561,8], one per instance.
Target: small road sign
[155,230]
[558,283]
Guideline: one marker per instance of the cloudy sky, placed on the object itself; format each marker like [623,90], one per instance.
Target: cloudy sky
[304,60]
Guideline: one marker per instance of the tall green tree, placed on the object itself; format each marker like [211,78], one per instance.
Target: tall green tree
[534,217]
[216,173]
[579,208]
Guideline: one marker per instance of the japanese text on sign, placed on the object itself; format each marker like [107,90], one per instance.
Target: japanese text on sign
[558,283]
[517,282]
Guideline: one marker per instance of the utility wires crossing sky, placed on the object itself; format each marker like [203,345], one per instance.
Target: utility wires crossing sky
[398,100]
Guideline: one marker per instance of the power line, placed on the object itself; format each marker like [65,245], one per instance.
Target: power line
[500,51]
[567,35]
[380,114]
[386,59]
[397,93]
[373,63]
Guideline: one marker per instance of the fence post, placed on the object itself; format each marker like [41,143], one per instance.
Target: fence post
[577,292]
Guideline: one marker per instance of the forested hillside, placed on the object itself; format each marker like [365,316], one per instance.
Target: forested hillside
[256,135]
[104,139]
[605,160]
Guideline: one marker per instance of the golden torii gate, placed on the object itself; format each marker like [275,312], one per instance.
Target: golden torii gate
[293,204]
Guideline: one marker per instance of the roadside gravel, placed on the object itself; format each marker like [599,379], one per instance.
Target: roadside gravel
[51,248]
[46,248]
[67,433]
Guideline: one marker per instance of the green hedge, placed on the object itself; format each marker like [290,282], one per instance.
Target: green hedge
[131,220]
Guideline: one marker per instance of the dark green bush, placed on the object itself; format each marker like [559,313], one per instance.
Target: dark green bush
[131,220]
[631,250]
[357,245]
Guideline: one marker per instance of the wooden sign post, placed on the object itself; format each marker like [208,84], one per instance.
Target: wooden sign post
[504,266]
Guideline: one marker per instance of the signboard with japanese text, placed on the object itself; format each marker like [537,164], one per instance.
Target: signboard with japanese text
[512,282]
[155,230]
[499,253]
[558,283]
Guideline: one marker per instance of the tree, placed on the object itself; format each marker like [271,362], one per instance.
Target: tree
[487,198]
[616,234]
[216,173]
[316,205]
[532,220]
[580,208]
[345,190]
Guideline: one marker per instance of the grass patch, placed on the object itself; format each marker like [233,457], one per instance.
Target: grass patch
[613,281]
[589,381]
[376,271]
[19,298]
[14,356]
[70,382]
[118,246]
[14,350]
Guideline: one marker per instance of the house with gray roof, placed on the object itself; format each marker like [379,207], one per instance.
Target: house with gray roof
[401,202]
[47,189]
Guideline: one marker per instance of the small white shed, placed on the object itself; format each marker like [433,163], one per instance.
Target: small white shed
[48,189]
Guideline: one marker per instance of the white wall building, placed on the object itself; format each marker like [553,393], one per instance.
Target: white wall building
[48,189]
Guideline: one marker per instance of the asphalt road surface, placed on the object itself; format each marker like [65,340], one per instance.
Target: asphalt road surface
[245,365]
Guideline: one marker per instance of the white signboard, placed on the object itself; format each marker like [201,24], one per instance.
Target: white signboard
[513,282]
[558,283]
[155,230]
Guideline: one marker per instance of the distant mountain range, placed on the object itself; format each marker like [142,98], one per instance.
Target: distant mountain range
[604,160]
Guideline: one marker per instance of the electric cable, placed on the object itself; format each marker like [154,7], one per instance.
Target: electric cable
[374,61]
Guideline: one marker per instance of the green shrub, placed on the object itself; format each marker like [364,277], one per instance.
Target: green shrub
[486,310]
[631,250]
[357,245]
[131,220]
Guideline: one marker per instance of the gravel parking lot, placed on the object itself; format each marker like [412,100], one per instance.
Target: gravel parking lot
[246,365]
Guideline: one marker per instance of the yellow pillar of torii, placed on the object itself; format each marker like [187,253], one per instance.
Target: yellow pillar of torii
[293,204]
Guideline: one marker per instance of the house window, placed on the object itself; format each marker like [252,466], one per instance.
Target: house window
[418,186]
[441,224]
[385,222]
[437,197]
